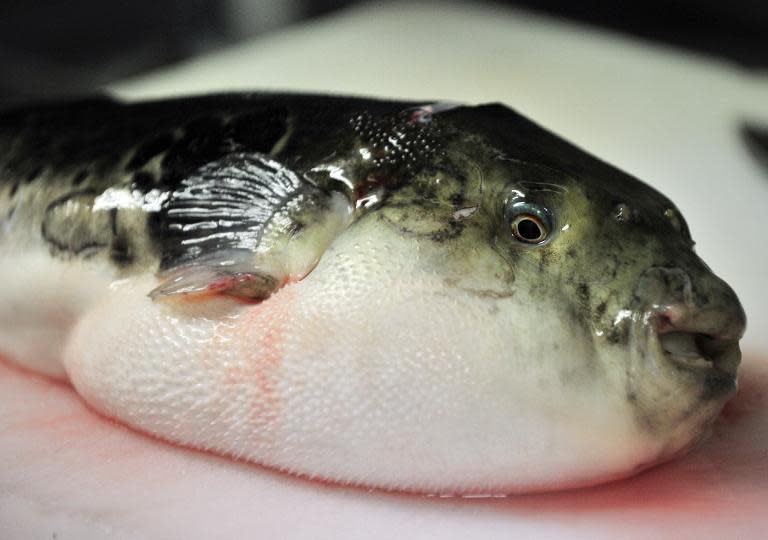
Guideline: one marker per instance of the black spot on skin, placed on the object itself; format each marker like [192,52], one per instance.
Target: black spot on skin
[716,386]
[583,291]
[579,316]
[144,181]
[600,310]
[14,189]
[545,258]
[113,221]
[80,177]
[295,229]
[488,294]
[571,253]
[618,334]
[453,230]
[615,268]
[120,252]
[583,295]
[457,200]
[429,193]
[33,174]
[149,150]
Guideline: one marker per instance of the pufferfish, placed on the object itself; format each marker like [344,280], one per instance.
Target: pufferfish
[423,297]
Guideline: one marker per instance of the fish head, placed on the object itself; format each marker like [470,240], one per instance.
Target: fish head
[563,297]
[618,258]
[619,264]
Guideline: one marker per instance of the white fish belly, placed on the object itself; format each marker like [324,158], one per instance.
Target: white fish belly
[366,372]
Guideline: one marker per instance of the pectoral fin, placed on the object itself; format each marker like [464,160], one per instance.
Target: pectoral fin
[231,273]
[244,226]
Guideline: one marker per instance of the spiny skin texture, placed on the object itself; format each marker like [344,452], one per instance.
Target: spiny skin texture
[375,316]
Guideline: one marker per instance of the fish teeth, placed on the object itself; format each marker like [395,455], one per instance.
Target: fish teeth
[680,344]
[683,348]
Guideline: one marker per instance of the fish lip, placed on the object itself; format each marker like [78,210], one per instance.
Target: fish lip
[709,355]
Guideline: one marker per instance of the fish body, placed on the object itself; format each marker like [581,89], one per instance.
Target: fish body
[425,297]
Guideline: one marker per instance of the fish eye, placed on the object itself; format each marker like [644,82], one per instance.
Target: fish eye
[529,223]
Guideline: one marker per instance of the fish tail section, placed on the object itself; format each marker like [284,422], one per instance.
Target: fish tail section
[42,298]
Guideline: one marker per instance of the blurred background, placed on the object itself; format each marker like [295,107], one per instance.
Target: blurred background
[50,48]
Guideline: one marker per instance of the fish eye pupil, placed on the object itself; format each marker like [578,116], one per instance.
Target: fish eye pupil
[528,229]
[529,223]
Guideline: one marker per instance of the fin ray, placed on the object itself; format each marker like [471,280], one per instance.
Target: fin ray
[231,228]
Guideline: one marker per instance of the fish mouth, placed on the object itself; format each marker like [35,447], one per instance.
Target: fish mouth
[695,330]
[701,353]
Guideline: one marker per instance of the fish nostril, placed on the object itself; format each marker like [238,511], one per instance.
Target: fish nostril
[668,319]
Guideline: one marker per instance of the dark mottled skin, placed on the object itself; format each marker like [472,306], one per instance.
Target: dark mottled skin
[612,233]
[92,145]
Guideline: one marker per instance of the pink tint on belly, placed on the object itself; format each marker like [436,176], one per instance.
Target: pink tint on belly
[261,360]
[59,452]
